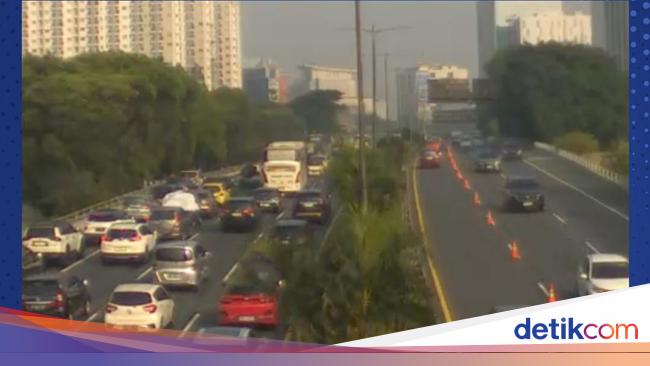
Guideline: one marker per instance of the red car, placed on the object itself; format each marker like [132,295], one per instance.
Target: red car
[249,306]
[429,159]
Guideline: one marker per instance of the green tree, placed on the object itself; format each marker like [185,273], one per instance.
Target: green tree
[319,110]
[545,91]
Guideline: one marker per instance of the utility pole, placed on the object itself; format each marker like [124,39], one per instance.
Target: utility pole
[373,33]
[385,55]
[362,159]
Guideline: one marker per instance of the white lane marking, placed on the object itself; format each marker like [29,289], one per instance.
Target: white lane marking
[539,158]
[189,324]
[143,274]
[559,218]
[232,270]
[193,236]
[592,247]
[95,315]
[80,261]
[259,237]
[615,211]
[281,215]
[543,288]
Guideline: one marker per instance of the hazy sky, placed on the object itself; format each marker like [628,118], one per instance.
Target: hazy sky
[296,32]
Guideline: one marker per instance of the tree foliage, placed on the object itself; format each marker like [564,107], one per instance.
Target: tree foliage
[100,124]
[548,90]
[319,110]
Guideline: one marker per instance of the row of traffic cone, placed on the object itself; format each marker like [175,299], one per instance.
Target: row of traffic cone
[513,246]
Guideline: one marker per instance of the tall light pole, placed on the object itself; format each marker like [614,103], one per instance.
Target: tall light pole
[385,55]
[373,33]
[362,160]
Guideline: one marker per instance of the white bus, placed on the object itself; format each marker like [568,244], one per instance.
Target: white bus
[284,166]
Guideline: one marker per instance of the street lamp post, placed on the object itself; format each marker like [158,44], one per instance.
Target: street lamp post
[362,160]
[385,55]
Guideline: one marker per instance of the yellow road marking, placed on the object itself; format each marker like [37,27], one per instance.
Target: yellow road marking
[434,274]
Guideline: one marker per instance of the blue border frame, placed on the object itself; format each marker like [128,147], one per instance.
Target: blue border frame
[11,152]
[10,146]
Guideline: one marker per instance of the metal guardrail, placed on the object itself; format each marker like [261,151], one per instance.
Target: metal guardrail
[76,217]
[594,167]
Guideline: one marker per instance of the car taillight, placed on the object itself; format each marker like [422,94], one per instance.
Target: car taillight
[135,238]
[105,238]
[110,308]
[177,219]
[151,308]
[58,299]
[56,238]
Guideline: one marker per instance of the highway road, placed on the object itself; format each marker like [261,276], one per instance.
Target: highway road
[584,214]
[192,309]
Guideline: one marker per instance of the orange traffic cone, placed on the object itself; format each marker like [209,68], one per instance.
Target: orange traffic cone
[466,184]
[514,251]
[476,200]
[459,175]
[551,293]
[489,219]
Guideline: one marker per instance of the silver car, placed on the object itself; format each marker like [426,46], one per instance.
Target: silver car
[181,264]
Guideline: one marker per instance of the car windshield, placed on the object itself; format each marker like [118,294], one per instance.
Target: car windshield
[316,160]
[522,184]
[284,231]
[308,196]
[174,254]
[610,270]
[121,234]
[40,232]
[245,290]
[40,287]
[488,155]
[265,194]
[159,215]
[130,298]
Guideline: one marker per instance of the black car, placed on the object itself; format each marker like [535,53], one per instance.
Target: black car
[292,232]
[511,151]
[57,294]
[208,207]
[240,213]
[32,262]
[522,193]
[312,205]
[268,199]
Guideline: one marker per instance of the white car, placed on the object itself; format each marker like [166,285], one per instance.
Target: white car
[98,222]
[601,273]
[139,305]
[128,241]
[57,240]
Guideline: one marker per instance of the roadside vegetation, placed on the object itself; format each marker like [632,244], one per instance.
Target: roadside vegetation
[569,95]
[99,125]
[365,278]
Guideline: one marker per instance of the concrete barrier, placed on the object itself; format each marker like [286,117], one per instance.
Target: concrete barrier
[594,167]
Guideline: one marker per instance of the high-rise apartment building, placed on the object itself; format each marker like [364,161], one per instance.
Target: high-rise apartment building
[613,23]
[547,27]
[201,36]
